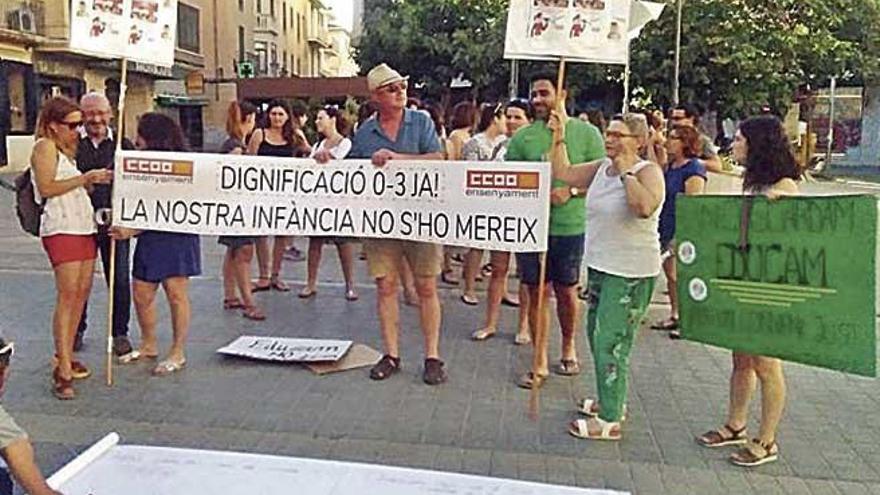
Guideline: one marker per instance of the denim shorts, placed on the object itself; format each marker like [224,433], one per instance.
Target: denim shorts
[564,257]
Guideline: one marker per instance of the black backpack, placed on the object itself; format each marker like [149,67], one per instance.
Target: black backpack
[26,206]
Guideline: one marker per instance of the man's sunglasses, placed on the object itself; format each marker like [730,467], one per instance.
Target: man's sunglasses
[395,88]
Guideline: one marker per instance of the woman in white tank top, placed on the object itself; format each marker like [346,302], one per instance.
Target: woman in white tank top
[67,229]
[624,198]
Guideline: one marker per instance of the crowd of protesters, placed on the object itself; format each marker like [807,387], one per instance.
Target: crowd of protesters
[611,233]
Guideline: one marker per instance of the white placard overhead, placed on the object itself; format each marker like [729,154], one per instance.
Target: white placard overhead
[578,30]
[139,470]
[139,30]
[286,349]
[486,205]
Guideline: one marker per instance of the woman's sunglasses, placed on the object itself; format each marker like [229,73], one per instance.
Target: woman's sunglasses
[6,353]
[73,125]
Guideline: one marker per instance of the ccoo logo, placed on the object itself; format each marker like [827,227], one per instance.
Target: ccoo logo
[498,179]
[158,167]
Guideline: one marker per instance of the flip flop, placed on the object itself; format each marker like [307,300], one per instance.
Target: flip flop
[525,339]
[134,356]
[446,279]
[509,302]
[530,380]
[307,293]
[483,334]
[351,295]
[567,367]
[256,286]
[168,367]
[232,303]
[666,325]
[253,313]
[469,300]
[280,285]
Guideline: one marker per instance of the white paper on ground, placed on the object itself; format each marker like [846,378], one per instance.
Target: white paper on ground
[286,349]
[140,470]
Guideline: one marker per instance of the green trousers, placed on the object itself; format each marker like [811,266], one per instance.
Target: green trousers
[616,307]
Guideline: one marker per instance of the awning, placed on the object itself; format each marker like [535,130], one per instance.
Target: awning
[266,88]
[180,101]
[14,53]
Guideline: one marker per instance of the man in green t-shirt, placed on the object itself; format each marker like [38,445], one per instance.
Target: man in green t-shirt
[584,143]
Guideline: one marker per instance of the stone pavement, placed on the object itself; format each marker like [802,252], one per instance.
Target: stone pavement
[476,423]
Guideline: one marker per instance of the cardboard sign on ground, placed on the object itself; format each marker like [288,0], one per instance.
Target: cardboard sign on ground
[793,278]
[286,350]
[360,356]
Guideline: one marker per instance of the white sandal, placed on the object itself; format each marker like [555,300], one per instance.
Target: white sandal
[585,407]
[580,428]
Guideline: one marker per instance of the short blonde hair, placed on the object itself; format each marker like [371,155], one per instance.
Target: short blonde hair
[637,123]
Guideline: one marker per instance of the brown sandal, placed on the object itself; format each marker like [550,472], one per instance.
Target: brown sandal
[722,437]
[755,453]
[386,367]
[530,380]
[62,388]
[256,286]
[232,303]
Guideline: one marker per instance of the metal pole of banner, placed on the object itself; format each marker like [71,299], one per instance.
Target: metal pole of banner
[832,95]
[626,81]
[111,285]
[675,81]
[540,342]
[511,86]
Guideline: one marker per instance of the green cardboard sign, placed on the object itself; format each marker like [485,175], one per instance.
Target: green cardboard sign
[803,288]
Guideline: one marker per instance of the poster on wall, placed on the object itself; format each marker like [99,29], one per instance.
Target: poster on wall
[139,30]
[579,30]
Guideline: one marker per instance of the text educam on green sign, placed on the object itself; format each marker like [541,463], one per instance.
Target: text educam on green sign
[801,287]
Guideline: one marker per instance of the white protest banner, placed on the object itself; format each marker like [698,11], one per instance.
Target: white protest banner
[139,30]
[593,31]
[285,349]
[142,470]
[487,205]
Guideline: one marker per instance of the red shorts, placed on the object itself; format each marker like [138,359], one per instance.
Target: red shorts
[65,248]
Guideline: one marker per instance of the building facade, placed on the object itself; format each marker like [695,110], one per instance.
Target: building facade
[218,43]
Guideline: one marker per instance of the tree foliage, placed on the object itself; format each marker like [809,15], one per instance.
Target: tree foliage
[737,55]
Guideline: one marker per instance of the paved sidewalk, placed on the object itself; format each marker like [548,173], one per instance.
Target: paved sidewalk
[476,423]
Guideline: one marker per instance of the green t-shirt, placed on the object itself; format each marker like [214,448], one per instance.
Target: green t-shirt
[584,143]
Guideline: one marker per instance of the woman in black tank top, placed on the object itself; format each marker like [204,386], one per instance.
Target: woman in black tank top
[279,138]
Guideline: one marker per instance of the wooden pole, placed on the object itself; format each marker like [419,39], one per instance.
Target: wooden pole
[111,285]
[541,335]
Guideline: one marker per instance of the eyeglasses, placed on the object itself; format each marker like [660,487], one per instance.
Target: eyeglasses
[618,135]
[73,125]
[6,353]
[395,88]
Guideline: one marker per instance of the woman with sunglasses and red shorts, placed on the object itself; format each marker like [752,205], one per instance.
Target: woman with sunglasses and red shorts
[67,229]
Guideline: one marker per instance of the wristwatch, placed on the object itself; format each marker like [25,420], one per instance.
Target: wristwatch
[574,191]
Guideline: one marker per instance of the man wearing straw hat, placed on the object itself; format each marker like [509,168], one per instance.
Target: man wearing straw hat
[584,143]
[398,133]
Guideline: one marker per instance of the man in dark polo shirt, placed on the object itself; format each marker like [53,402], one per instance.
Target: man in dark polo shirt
[96,150]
